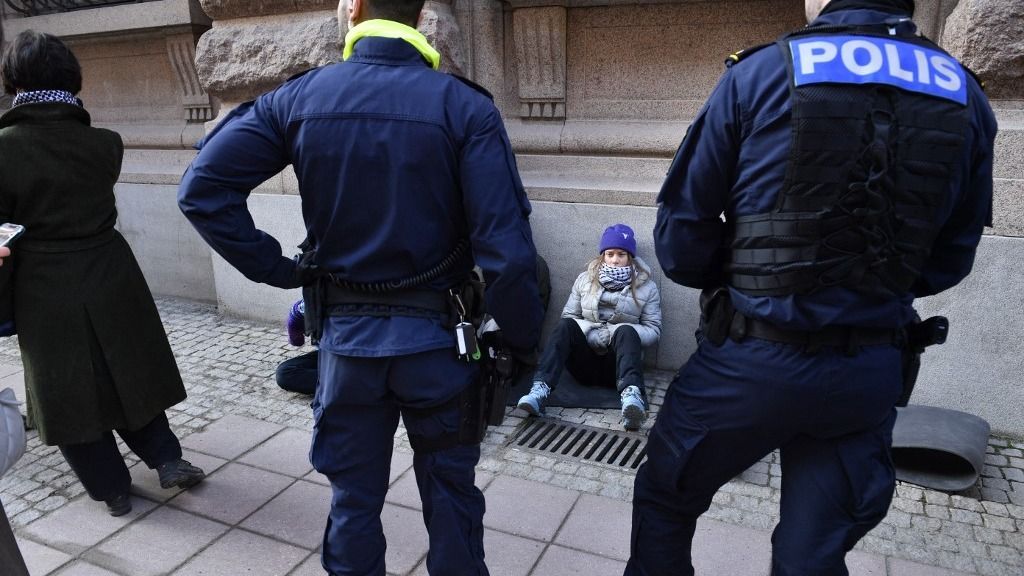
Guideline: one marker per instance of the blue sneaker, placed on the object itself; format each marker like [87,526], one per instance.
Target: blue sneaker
[634,411]
[533,403]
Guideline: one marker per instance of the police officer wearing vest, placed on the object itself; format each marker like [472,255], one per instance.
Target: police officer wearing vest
[407,178]
[831,178]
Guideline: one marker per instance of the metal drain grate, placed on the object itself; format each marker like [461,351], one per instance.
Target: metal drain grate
[579,442]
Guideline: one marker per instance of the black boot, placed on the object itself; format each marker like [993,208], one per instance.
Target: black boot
[179,474]
[119,505]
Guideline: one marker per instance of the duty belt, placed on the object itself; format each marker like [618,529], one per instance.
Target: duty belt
[414,302]
[846,337]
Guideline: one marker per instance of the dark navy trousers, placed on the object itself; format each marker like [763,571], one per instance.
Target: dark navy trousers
[831,415]
[356,409]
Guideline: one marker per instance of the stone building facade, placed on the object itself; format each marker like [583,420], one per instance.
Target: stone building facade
[596,95]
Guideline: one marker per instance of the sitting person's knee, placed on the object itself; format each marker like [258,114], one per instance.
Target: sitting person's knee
[624,333]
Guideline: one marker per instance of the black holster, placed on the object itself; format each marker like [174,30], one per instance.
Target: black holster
[313,300]
[480,404]
[716,314]
[496,375]
[919,335]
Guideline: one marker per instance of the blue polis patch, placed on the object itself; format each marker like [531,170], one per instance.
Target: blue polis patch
[873,60]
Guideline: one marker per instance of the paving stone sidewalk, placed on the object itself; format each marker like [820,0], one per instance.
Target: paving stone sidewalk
[262,508]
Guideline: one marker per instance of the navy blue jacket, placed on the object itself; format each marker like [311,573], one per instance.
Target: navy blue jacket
[395,163]
[733,161]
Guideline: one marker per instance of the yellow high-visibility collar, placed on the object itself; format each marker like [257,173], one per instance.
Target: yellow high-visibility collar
[391,29]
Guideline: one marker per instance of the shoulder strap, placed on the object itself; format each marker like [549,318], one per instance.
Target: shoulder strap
[739,55]
[474,86]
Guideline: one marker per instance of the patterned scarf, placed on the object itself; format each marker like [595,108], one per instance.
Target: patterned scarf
[615,278]
[46,96]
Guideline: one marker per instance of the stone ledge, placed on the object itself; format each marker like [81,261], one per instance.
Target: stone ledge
[113,19]
[182,136]
[159,166]
[622,138]
[661,139]
[592,179]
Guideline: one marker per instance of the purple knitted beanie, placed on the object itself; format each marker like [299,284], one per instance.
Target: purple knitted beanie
[619,236]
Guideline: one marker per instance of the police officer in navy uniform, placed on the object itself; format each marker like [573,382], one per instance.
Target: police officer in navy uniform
[396,164]
[831,178]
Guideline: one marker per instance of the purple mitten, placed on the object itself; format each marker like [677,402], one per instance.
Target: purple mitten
[296,324]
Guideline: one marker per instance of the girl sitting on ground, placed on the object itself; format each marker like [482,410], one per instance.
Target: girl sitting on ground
[613,312]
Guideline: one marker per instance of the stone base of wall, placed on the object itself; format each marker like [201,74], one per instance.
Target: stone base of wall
[173,258]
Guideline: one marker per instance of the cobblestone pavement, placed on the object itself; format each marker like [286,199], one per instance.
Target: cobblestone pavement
[228,366]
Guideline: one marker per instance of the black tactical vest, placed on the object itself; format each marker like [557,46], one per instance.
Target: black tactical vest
[868,170]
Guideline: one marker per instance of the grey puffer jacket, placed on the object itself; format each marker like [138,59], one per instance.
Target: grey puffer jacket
[642,313]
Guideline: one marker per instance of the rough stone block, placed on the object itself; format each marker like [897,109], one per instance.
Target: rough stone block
[986,36]
[238,59]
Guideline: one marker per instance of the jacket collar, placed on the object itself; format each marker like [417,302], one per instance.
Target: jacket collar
[862,16]
[387,51]
[44,112]
[390,29]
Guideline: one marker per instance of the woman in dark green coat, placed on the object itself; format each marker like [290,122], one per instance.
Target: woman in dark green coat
[95,353]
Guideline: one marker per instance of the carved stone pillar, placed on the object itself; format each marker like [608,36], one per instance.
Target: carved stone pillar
[181,52]
[540,40]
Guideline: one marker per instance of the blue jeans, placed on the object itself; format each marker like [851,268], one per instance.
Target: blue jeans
[356,410]
[830,415]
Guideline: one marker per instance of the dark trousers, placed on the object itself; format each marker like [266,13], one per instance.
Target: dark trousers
[299,374]
[567,347]
[830,414]
[355,414]
[100,466]
[11,561]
